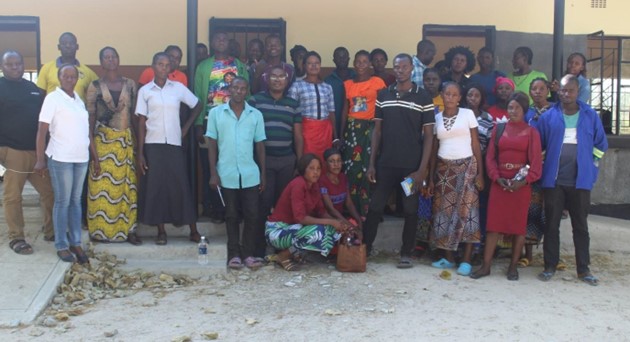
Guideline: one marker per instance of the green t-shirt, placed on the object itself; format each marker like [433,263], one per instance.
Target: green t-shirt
[522,82]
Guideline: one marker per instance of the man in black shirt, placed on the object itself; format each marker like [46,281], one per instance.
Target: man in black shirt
[20,103]
[402,141]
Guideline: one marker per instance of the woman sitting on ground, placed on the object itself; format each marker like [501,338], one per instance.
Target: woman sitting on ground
[299,220]
[335,190]
[518,145]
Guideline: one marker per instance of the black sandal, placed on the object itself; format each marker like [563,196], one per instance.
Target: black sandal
[478,274]
[82,258]
[161,239]
[21,247]
[133,239]
[65,255]
[512,275]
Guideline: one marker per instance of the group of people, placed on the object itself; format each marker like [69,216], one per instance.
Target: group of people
[488,160]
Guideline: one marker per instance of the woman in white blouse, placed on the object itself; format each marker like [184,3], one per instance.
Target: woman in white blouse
[456,176]
[64,116]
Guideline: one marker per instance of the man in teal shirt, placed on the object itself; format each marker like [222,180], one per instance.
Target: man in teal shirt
[233,128]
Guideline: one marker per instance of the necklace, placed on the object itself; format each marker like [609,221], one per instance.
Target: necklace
[449,122]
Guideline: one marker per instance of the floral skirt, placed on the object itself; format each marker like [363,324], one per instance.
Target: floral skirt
[316,237]
[455,204]
[356,159]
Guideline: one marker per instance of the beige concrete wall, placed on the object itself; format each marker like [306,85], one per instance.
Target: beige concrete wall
[139,28]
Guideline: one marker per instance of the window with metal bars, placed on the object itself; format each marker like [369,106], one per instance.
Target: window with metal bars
[598,3]
[244,30]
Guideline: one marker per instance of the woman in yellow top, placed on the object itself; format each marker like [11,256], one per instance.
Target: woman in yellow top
[356,128]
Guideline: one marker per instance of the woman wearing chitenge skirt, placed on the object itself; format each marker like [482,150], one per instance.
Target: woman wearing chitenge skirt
[165,192]
[113,193]
[455,178]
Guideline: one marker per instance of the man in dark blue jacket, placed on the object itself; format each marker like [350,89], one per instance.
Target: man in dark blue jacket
[573,141]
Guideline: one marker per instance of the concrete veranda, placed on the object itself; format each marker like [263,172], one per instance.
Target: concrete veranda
[30,282]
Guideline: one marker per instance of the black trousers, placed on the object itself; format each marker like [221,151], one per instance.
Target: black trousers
[279,172]
[247,200]
[577,201]
[387,178]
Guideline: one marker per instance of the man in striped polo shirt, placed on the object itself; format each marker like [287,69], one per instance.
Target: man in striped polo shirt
[401,141]
[284,144]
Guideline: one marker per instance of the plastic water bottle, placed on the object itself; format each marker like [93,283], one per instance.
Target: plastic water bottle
[522,173]
[203,251]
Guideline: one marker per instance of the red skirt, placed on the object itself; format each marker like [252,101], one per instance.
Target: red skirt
[317,137]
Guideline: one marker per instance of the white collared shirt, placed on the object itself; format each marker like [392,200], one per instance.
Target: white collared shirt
[69,127]
[161,108]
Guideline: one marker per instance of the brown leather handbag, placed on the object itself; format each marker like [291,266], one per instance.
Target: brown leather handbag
[351,257]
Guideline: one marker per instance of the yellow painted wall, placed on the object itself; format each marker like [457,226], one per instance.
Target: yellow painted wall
[138,28]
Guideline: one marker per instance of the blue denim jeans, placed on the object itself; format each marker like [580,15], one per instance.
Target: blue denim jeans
[67,182]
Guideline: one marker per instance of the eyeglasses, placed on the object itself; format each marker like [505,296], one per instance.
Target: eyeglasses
[277,78]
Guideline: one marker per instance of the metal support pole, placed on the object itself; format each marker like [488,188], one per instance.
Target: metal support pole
[191,59]
[558,39]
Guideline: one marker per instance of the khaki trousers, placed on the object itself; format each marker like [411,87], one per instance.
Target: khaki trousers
[23,161]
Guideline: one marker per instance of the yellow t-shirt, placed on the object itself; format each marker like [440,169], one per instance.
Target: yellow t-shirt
[48,80]
[438,102]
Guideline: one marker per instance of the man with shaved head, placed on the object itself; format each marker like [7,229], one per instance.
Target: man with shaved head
[20,103]
[68,46]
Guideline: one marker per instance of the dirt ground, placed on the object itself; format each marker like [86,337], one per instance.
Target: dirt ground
[320,304]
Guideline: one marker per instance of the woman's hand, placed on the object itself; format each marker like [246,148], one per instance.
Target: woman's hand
[504,183]
[480,183]
[40,168]
[371,174]
[142,164]
[96,167]
[430,189]
[514,186]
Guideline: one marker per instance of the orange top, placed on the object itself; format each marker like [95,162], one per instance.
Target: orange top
[148,75]
[361,97]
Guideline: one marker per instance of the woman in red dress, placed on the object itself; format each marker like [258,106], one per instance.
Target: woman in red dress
[518,145]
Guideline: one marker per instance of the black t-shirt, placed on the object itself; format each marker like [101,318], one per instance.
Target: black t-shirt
[403,117]
[20,103]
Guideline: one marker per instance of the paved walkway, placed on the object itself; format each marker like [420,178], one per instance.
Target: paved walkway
[29,282]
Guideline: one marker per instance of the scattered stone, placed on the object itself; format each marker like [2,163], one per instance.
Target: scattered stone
[209,311]
[289,284]
[333,312]
[182,339]
[243,277]
[36,332]
[388,311]
[446,275]
[62,317]
[400,292]
[567,278]
[251,321]
[166,278]
[210,335]
[49,322]
[111,333]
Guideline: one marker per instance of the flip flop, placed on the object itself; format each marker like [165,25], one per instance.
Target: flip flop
[589,279]
[524,262]
[546,275]
[196,237]
[161,239]
[404,262]
[443,263]
[253,263]
[65,255]
[464,269]
[235,263]
[21,247]
[478,274]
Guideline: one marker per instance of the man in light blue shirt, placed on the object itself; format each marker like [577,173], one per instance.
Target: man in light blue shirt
[234,130]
